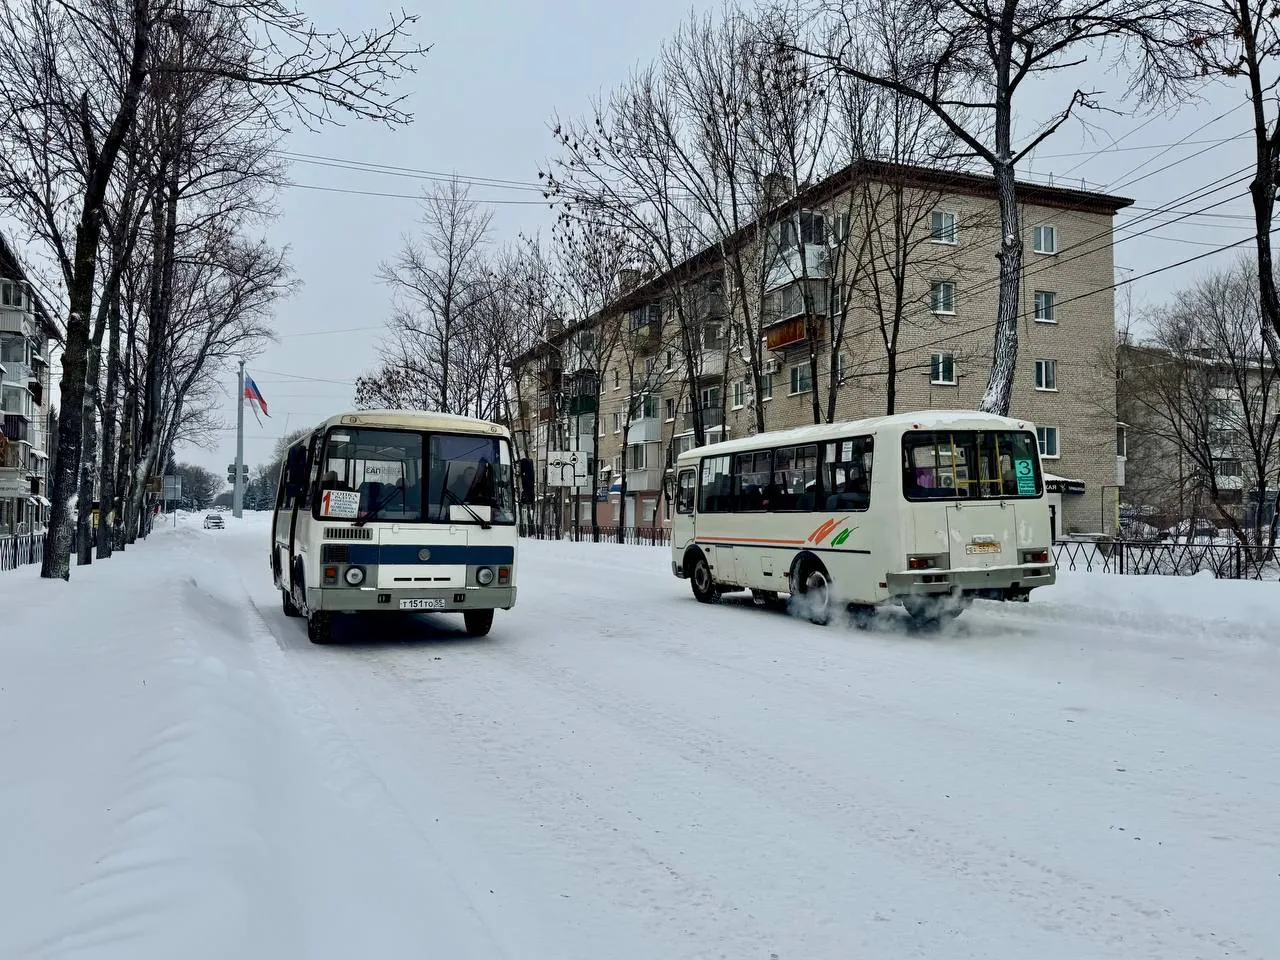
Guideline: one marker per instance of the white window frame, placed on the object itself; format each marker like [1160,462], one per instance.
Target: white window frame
[617,422]
[1043,315]
[669,409]
[1042,438]
[937,362]
[935,288]
[739,394]
[940,237]
[1042,232]
[644,456]
[1044,367]
[766,387]
[792,380]
[617,379]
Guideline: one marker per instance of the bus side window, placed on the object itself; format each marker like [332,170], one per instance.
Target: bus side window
[685,492]
[716,494]
[848,474]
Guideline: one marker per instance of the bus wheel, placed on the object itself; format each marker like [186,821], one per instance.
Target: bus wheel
[478,622]
[814,593]
[704,586]
[320,627]
[290,608]
[925,612]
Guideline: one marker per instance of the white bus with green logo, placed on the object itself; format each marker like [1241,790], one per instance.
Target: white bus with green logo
[382,511]
[927,510]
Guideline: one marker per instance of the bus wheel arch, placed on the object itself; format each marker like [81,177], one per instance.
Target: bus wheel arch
[698,570]
[811,588]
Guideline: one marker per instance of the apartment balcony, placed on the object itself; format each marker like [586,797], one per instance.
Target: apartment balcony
[712,417]
[645,430]
[16,427]
[711,363]
[17,320]
[644,481]
[789,266]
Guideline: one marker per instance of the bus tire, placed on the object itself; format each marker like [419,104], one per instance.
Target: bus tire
[812,588]
[290,608]
[320,627]
[704,585]
[478,622]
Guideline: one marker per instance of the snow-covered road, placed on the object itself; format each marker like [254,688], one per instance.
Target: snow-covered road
[617,772]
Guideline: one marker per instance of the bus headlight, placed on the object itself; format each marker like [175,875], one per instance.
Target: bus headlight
[354,576]
[484,576]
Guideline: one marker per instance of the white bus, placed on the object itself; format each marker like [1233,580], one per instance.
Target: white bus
[927,510]
[398,511]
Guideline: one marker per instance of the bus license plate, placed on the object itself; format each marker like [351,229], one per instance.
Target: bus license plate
[982,548]
[421,604]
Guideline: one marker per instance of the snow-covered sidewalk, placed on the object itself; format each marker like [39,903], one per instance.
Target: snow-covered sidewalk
[620,772]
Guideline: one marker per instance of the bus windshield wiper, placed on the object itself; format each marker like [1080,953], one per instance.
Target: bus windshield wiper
[377,507]
[484,524]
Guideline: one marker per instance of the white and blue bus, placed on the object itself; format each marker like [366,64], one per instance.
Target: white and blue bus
[927,510]
[380,511]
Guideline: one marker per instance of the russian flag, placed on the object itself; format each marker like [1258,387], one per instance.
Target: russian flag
[254,396]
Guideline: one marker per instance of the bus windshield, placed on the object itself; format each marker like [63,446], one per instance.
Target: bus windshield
[407,476]
[970,465]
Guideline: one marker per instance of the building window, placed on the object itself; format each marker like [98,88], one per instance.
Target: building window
[1122,442]
[644,407]
[11,294]
[1230,468]
[649,364]
[637,456]
[670,408]
[1045,239]
[671,359]
[617,379]
[1046,374]
[739,394]
[1045,306]
[842,367]
[800,379]
[617,421]
[942,369]
[617,464]
[766,386]
[942,227]
[710,398]
[812,231]
[942,297]
[1048,437]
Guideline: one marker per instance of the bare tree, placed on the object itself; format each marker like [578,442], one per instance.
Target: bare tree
[967,62]
[439,282]
[72,78]
[1204,388]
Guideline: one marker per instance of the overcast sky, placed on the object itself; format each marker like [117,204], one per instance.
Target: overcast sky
[482,100]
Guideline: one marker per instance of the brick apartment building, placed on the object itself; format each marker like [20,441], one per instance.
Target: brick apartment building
[1065,381]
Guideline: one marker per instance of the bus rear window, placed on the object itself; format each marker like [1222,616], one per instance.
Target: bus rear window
[970,465]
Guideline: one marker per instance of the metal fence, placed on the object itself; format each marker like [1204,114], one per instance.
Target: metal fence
[637,536]
[1226,561]
[19,551]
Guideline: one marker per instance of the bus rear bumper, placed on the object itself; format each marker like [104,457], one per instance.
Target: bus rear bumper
[996,583]
[440,600]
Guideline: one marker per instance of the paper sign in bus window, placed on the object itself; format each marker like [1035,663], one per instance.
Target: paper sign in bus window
[343,504]
[1024,469]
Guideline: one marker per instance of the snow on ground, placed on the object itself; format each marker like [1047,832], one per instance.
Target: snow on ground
[619,772]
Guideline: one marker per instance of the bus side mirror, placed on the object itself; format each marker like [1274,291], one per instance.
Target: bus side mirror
[295,471]
[526,481]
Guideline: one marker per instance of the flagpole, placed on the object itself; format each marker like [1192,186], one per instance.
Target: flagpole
[237,497]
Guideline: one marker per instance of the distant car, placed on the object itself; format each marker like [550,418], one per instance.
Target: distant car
[213,521]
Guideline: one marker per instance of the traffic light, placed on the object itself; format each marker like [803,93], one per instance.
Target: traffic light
[244,474]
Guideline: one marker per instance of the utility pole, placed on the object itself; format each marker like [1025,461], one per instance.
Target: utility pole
[237,498]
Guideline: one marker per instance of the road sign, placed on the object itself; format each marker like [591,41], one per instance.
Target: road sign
[172,488]
[569,469]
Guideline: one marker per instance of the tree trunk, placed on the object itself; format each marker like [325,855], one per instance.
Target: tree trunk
[89,429]
[622,491]
[107,514]
[1004,358]
[57,556]
[128,441]
[595,459]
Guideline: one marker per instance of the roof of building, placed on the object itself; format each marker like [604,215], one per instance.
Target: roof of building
[956,182]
